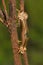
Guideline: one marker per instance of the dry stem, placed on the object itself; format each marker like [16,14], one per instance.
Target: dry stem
[4,5]
[14,36]
[23,38]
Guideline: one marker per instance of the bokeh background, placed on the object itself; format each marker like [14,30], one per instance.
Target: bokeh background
[34,8]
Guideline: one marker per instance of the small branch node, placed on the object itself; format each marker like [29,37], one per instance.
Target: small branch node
[22,15]
[22,49]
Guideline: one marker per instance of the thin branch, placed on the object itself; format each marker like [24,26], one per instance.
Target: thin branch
[5,23]
[24,30]
[14,36]
[25,59]
[21,5]
[12,10]
[1,13]
[4,5]
[1,20]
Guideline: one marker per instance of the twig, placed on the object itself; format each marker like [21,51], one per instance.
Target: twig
[21,5]
[14,36]
[25,58]
[12,6]
[1,13]
[4,5]
[23,32]
[3,18]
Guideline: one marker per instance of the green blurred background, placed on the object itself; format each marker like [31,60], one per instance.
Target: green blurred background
[34,8]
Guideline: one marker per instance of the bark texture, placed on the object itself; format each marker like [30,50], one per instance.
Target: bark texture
[14,36]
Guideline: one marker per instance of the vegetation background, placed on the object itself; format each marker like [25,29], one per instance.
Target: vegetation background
[34,8]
